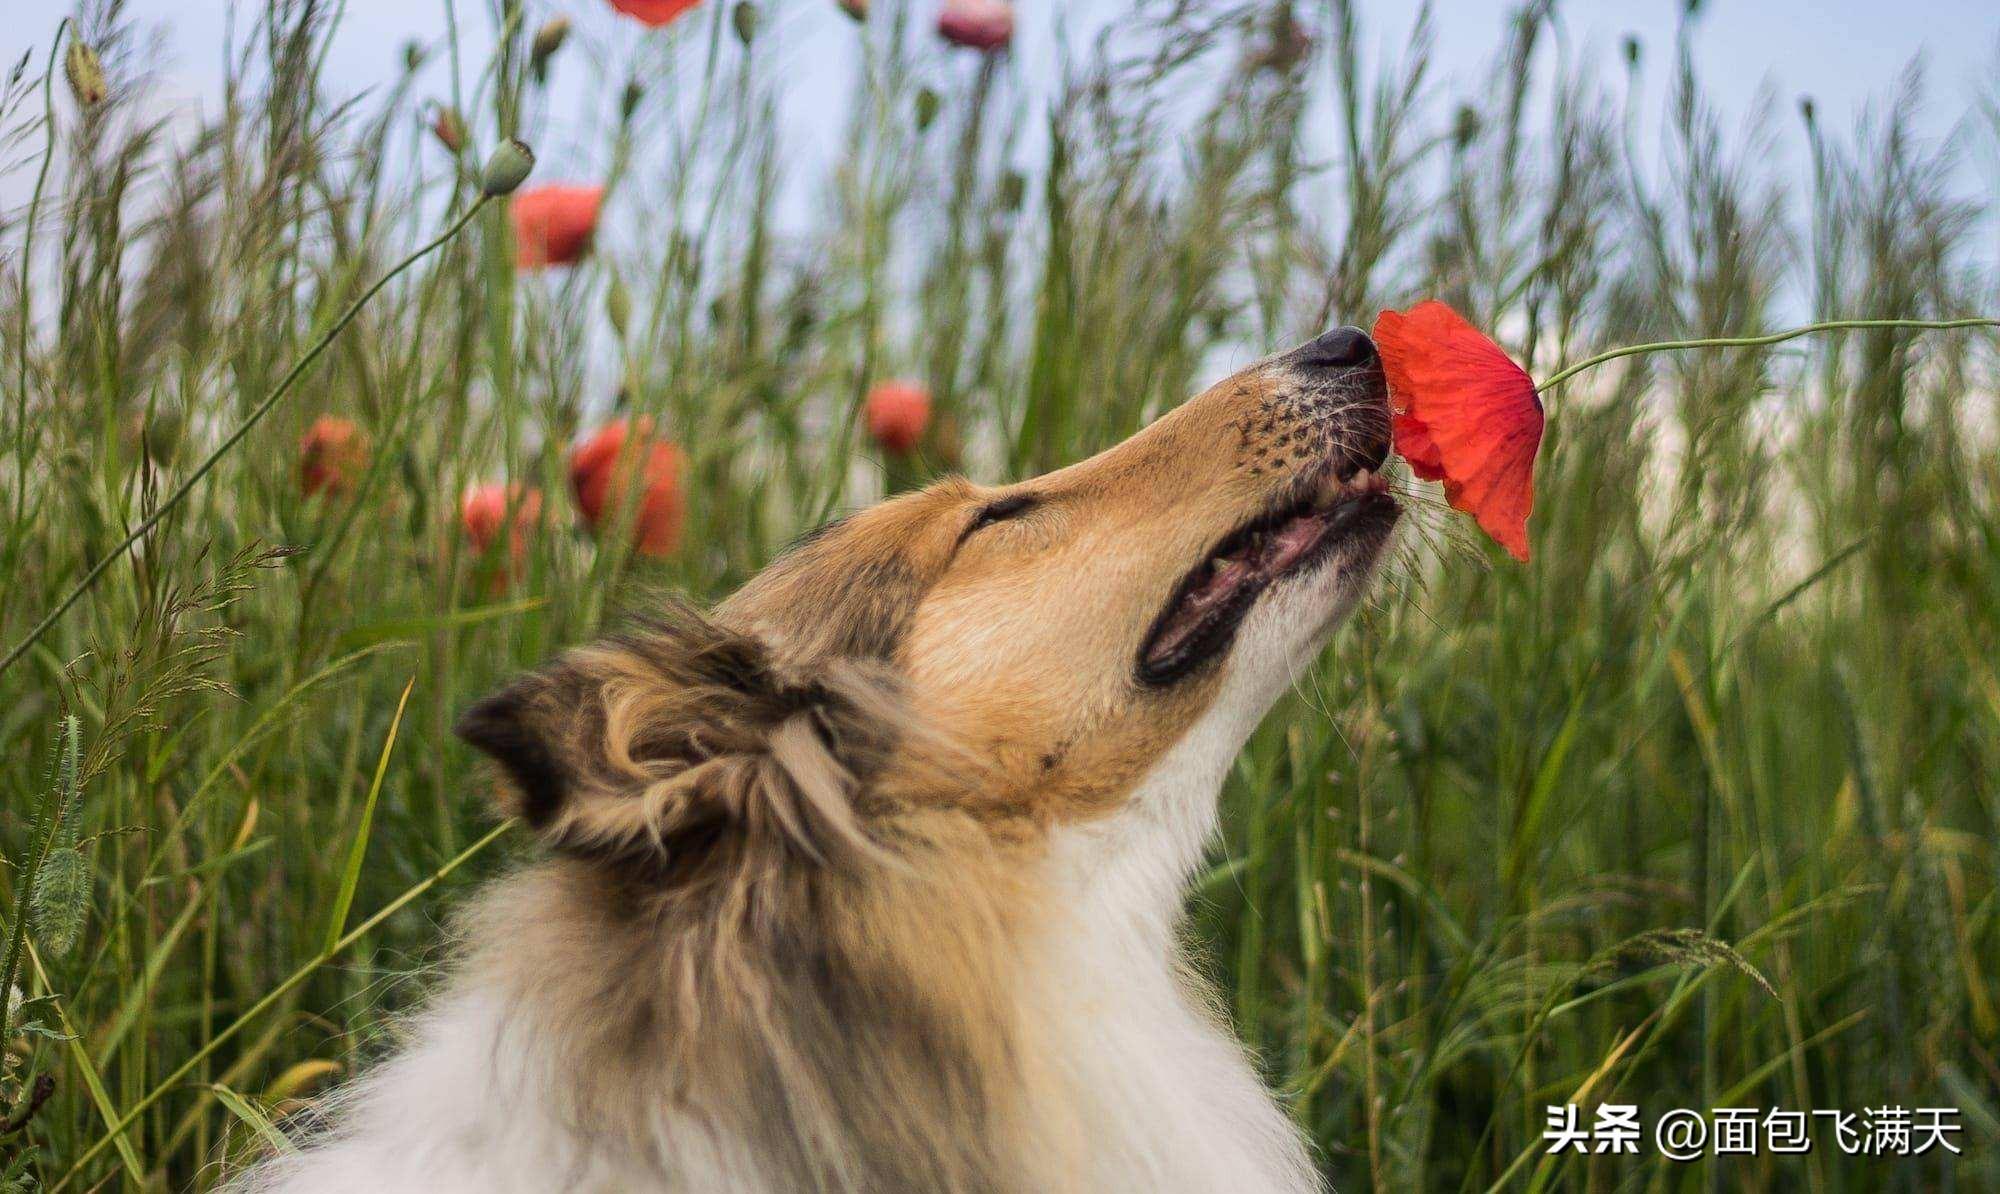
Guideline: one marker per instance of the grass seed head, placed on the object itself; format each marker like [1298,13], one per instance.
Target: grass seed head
[84,73]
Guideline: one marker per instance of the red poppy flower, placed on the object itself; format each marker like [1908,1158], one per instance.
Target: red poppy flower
[553,225]
[654,12]
[897,413]
[977,24]
[599,483]
[331,453]
[484,510]
[1464,414]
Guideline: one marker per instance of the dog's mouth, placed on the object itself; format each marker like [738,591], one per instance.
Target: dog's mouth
[1200,621]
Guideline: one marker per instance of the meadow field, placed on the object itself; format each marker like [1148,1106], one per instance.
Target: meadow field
[1696,809]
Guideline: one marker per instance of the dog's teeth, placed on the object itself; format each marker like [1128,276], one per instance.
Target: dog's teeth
[1218,564]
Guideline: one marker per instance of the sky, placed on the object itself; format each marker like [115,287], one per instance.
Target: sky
[1846,54]
[1843,52]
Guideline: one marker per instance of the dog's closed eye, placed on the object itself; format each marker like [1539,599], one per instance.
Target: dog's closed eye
[999,510]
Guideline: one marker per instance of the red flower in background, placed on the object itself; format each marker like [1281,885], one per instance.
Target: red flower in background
[483,512]
[977,24]
[1465,414]
[331,452]
[599,483]
[554,225]
[654,12]
[897,413]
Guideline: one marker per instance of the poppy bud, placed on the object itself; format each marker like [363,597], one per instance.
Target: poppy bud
[507,169]
[743,18]
[858,9]
[449,128]
[85,74]
[628,100]
[1465,129]
[548,39]
[897,413]
[413,55]
[1806,110]
[618,306]
[926,108]
[160,436]
[1631,50]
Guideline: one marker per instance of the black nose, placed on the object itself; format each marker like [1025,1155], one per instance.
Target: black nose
[1341,348]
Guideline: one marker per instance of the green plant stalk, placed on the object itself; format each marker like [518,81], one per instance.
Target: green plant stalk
[93,1080]
[1829,325]
[27,291]
[272,996]
[263,408]
[350,877]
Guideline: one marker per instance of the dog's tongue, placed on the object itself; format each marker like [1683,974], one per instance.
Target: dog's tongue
[1193,610]
[1290,542]
[1265,556]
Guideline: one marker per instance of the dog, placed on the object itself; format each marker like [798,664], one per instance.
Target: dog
[869,880]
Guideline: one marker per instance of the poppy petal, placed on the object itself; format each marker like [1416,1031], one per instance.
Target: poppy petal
[897,413]
[977,24]
[600,484]
[653,12]
[554,224]
[1463,413]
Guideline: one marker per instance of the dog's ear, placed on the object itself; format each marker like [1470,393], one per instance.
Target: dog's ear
[659,742]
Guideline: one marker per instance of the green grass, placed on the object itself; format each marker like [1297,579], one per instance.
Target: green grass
[1747,687]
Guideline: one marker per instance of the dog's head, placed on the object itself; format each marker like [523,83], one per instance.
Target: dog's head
[1026,653]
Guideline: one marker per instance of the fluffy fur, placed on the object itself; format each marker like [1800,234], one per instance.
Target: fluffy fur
[870,881]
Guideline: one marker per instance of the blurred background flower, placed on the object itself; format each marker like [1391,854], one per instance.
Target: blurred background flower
[484,511]
[977,24]
[601,469]
[654,12]
[331,454]
[554,224]
[896,414]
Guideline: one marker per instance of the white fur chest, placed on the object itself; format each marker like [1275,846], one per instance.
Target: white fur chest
[1170,1100]
[1177,1104]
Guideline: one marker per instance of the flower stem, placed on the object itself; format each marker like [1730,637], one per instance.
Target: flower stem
[263,408]
[27,293]
[1831,325]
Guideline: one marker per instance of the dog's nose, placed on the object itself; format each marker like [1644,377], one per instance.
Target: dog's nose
[1341,348]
